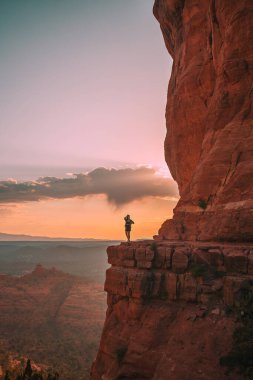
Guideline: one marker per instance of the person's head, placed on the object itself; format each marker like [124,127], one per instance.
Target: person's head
[128,216]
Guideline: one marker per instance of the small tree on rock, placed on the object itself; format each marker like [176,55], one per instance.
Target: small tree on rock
[28,370]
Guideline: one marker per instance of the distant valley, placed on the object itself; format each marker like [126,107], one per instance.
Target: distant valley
[53,318]
[86,259]
[52,303]
[21,237]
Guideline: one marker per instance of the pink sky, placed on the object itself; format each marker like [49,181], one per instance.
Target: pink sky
[83,86]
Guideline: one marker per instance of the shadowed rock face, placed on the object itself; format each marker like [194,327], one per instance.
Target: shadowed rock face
[209,142]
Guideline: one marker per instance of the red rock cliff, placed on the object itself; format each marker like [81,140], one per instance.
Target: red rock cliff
[167,318]
[209,113]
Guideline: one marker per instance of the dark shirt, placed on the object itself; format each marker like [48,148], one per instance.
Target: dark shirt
[128,223]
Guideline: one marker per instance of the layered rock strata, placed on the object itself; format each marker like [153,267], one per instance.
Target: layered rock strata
[167,309]
[209,113]
[168,299]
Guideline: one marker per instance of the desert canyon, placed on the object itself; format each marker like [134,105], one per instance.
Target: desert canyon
[48,315]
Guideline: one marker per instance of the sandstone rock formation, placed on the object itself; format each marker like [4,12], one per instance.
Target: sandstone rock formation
[168,299]
[167,310]
[209,114]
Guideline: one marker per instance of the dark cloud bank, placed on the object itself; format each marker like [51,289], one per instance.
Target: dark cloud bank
[120,186]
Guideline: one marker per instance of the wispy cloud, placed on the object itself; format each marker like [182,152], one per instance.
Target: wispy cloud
[120,186]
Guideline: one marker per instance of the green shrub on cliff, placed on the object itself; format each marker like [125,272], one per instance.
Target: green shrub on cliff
[204,270]
[198,270]
[153,247]
[7,376]
[202,204]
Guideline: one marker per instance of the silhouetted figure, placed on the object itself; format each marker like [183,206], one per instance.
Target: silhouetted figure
[128,225]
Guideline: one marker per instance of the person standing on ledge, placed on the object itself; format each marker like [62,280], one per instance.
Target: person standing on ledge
[128,225]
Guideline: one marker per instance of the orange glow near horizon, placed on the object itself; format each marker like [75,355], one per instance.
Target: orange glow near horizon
[74,103]
[90,217]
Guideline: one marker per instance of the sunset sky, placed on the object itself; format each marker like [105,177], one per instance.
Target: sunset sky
[83,87]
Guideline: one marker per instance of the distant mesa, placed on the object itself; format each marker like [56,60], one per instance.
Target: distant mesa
[39,270]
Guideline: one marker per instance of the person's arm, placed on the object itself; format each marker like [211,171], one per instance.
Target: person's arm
[132,221]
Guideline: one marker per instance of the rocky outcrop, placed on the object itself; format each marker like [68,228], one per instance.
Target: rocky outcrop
[169,299]
[209,114]
[168,304]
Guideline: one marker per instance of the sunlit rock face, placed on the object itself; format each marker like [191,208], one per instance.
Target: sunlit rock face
[167,313]
[168,299]
[209,142]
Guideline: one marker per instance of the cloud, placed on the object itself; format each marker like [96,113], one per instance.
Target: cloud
[120,186]
[7,209]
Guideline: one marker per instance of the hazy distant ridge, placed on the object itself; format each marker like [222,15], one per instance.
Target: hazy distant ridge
[12,237]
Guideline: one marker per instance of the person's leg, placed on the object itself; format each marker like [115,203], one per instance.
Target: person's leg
[126,232]
[128,235]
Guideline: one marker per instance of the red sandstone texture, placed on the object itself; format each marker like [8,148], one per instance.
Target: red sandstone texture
[209,142]
[54,318]
[166,321]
